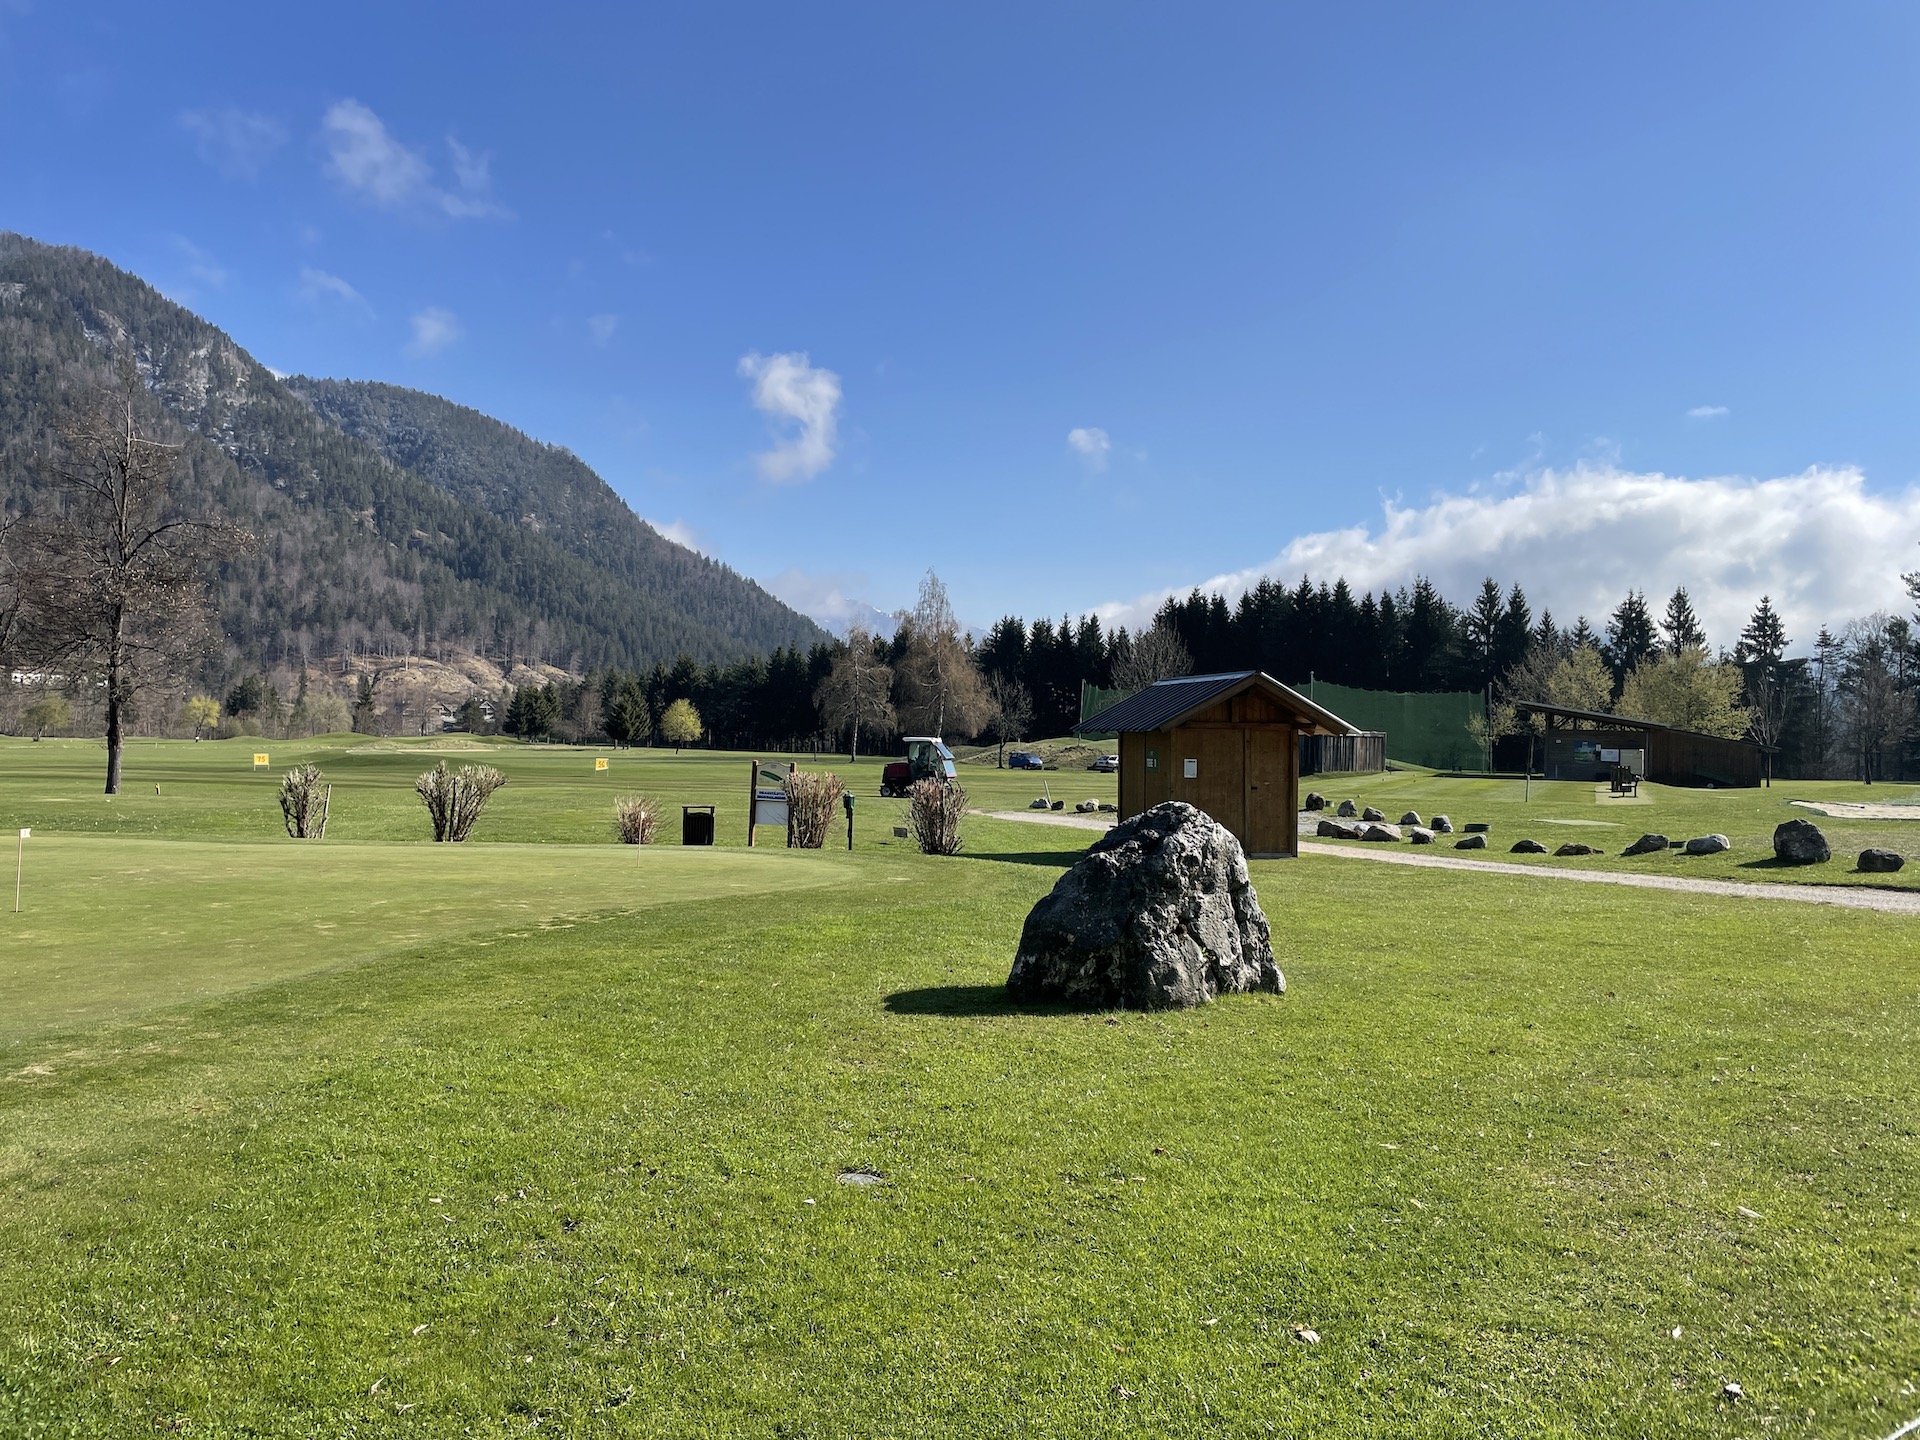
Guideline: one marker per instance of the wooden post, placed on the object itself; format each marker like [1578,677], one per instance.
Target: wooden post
[753,797]
[19,868]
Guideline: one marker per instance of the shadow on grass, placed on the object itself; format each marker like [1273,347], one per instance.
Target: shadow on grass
[1057,859]
[965,1000]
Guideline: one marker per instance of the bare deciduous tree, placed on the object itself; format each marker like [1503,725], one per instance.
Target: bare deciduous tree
[1152,655]
[113,583]
[941,688]
[1012,711]
[858,691]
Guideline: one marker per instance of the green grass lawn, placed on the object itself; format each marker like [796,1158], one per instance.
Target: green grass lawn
[563,1156]
[1554,812]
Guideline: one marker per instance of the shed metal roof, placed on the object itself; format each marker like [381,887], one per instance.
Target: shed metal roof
[1618,722]
[1167,702]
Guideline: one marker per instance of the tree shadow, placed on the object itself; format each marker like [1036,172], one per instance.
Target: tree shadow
[1774,862]
[970,1000]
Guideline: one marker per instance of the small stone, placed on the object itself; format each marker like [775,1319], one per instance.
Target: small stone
[1315,800]
[1338,830]
[1441,825]
[1306,1336]
[1412,817]
[1574,847]
[1420,835]
[1646,845]
[1881,862]
[1527,847]
[1380,830]
[1708,844]
[859,1177]
[1370,813]
[1799,842]
[1472,842]
[1088,807]
[1037,803]
[1732,1393]
[1348,810]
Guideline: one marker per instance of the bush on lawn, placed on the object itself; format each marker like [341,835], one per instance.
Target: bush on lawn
[635,818]
[455,800]
[934,808]
[812,797]
[304,796]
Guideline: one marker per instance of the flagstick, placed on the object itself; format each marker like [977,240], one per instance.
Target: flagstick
[19,868]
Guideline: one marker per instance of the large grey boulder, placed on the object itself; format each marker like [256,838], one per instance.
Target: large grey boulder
[1574,847]
[1881,862]
[1347,810]
[1799,842]
[1412,817]
[1380,830]
[1159,913]
[1420,835]
[1527,847]
[1708,844]
[1339,830]
[1646,845]
[1471,842]
[1371,813]
[1440,825]
[1315,801]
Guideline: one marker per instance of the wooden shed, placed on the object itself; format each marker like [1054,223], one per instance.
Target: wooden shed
[1588,744]
[1225,744]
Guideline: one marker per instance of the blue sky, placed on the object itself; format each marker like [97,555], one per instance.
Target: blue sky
[1073,303]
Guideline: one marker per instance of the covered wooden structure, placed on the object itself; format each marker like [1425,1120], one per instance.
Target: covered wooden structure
[1589,744]
[1225,744]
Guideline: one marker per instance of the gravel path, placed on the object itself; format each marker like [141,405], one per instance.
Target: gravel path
[1847,897]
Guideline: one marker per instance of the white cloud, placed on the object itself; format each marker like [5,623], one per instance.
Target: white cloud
[829,600]
[804,402]
[1708,412]
[680,533]
[1092,444]
[369,163]
[601,327]
[1823,546]
[200,265]
[237,143]
[317,286]
[434,329]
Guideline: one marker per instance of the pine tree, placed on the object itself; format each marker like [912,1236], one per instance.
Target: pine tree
[1630,637]
[1513,636]
[1483,629]
[1765,637]
[1681,625]
[1581,637]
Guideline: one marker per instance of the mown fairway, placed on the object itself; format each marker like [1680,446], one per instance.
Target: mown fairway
[556,1150]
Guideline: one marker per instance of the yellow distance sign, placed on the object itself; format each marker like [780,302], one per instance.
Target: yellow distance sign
[599,764]
[260,760]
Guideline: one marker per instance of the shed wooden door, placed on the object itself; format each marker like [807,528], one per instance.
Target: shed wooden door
[1219,782]
[1271,823]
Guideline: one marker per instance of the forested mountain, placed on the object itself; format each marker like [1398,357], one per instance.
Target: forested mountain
[502,546]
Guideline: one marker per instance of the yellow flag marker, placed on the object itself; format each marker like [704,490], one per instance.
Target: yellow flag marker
[260,760]
[600,764]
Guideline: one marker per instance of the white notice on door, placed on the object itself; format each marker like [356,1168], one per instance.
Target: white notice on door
[1190,768]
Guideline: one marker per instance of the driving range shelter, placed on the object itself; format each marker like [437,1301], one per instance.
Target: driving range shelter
[1225,744]
[1588,744]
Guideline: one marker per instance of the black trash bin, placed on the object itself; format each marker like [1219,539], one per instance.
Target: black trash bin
[696,824]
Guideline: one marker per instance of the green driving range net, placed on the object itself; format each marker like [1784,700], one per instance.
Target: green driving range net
[1428,730]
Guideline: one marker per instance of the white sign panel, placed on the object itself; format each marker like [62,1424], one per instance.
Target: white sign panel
[1190,768]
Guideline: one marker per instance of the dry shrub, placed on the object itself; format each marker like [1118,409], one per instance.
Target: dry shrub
[812,797]
[934,808]
[635,817]
[304,797]
[455,799]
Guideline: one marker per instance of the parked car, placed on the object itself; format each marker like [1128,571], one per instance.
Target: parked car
[1025,760]
[1106,764]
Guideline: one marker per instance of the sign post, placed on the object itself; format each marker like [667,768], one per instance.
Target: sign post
[260,760]
[19,867]
[767,799]
[600,763]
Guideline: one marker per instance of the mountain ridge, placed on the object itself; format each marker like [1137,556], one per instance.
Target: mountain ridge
[358,549]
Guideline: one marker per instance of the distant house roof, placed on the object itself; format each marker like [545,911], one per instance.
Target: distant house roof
[1168,702]
[1617,722]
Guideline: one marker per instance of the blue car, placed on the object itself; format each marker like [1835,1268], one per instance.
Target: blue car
[1024,760]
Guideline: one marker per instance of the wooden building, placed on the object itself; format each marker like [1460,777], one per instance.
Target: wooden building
[1588,744]
[1225,744]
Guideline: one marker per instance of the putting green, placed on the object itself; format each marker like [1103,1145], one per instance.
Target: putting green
[115,926]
